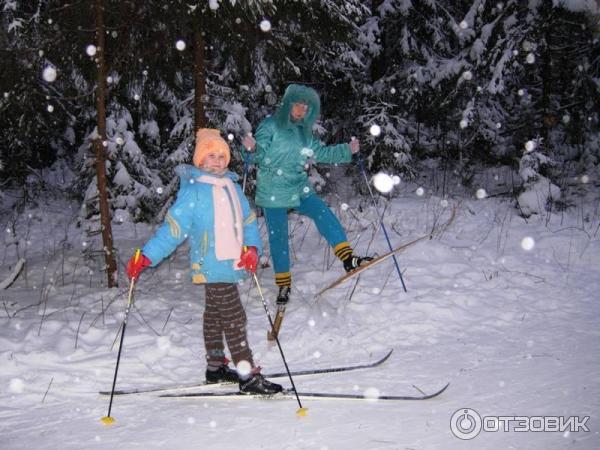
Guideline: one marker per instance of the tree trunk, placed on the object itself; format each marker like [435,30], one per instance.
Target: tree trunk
[199,75]
[107,239]
[378,64]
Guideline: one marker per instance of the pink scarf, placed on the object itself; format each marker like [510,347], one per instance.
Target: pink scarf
[228,218]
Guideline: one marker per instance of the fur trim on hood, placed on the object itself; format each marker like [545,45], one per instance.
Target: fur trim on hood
[297,93]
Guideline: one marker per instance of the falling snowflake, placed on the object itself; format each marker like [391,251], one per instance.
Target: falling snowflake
[375,130]
[308,152]
[467,75]
[49,74]
[530,58]
[244,368]
[527,243]
[420,191]
[50,108]
[383,182]
[464,25]
[180,45]
[16,386]
[265,26]
[530,146]
[91,50]
[464,123]
[481,194]
[119,140]
[371,393]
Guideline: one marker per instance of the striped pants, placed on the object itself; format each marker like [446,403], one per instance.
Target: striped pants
[224,316]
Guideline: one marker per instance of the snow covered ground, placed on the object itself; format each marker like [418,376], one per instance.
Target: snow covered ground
[510,322]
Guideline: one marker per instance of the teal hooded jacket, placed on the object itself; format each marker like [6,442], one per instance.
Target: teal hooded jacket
[284,147]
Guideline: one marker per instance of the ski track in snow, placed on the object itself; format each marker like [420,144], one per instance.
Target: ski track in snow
[514,331]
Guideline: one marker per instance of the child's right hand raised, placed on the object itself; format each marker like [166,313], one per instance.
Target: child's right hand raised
[136,265]
[249,142]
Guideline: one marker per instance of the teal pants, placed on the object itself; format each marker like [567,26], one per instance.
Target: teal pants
[277,225]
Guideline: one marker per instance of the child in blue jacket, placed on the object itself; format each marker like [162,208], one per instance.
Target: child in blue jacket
[212,212]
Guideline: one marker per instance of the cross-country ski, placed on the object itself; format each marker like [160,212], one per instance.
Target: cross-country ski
[288,394]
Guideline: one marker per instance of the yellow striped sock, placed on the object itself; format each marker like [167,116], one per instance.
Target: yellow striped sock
[283,279]
[342,250]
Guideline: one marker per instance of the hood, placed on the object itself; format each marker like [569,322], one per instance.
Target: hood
[299,93]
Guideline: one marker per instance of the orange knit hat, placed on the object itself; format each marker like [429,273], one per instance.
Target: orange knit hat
[210,140]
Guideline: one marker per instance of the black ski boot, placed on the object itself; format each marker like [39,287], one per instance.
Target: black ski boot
[284,295]
[259,385]
[354,262]
[223,373]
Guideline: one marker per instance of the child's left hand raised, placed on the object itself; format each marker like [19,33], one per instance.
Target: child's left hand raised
[249,259]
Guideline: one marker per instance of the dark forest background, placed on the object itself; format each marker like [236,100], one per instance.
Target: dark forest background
[462,85]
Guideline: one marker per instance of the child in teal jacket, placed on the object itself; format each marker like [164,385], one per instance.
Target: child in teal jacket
[214,215]
[283,144]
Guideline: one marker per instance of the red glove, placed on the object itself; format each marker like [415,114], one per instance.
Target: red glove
[134,268]
[249,259]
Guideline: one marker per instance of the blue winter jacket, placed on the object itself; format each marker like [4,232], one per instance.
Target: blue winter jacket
[192,217]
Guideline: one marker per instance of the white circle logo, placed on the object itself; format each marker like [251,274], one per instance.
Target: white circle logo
[465,423]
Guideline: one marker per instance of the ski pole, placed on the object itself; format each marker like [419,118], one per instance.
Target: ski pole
[246,168]
[380,218]
[108,420]
[301,411]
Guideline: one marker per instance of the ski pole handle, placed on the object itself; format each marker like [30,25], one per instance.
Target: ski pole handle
[138,253]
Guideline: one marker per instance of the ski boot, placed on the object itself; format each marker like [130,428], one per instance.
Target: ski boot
[354,262]
[284,295]
[223,373]
[259,385]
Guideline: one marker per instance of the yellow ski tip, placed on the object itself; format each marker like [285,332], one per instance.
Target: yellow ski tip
[302,412]
[108,420]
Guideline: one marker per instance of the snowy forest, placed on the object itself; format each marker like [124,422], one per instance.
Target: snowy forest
[456,84]
[490,109]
